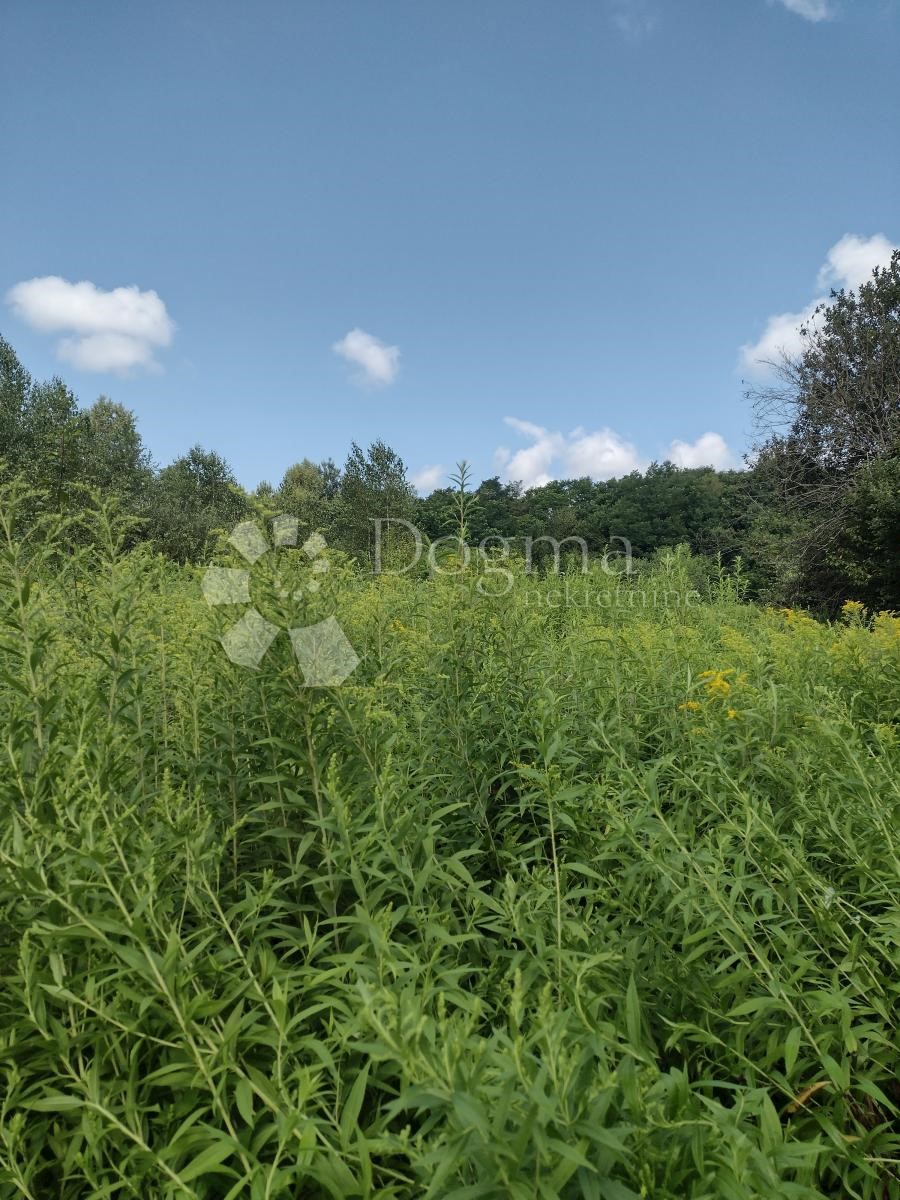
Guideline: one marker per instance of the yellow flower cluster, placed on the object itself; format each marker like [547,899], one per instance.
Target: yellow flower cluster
[737,643]
[887,629]
[716,682]
[796,619]
[853,608]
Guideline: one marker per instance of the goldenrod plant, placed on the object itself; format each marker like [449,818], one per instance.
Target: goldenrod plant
[584,888]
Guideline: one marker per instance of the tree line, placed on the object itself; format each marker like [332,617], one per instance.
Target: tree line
[814,518]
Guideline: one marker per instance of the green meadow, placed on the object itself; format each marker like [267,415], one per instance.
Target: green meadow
[586,888]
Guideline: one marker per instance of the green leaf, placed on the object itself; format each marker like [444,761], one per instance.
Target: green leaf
[352,1107]
[243,1098]
[633,1024]
[792,1048]
[56,1102]
[207,1159]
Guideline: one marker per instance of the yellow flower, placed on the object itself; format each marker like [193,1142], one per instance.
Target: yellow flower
[853,608]
[887,628]
[690,706]
[795,619]
[732,714]
[716,682]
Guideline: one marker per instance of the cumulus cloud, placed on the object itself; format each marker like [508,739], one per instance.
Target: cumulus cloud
[601,455]
[378,364]
[709,450]
[427,479]
[851,261]
[115,352]
[781,336]
[531,465]
[811,10]
[848,264]
[107,331]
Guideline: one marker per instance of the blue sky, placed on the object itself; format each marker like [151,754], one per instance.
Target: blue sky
[535,235]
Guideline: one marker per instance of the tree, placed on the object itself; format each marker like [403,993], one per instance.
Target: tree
[303,493]
[115,459]
[63,450]
[41,430]
[15,388]
[500,510]
[374,486]
[190,500]
[831,445]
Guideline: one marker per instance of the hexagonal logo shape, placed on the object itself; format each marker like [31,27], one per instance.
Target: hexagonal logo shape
[325,656]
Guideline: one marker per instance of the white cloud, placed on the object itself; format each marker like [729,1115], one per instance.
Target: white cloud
[812,10]
[427,479]
[378,363]
[109,331]
[781,336]
[601,455]
[114,352]
[709,450]
[634,19]
[551,455]
[531,465]
[848,264]
[852,260]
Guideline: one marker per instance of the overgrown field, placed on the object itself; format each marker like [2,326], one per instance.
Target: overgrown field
[590,895]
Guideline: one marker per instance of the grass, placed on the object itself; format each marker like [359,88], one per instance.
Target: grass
[595,898]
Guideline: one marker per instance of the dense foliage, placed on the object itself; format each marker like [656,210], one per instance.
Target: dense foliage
[584,889]
[832,455]
[813,520]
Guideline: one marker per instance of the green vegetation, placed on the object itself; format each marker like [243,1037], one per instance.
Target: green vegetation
[565,893]
[832,455]
[813,520]
[584,884]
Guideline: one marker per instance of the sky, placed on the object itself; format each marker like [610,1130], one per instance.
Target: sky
[553,237]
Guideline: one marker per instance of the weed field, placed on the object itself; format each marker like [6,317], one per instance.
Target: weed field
[585,889]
